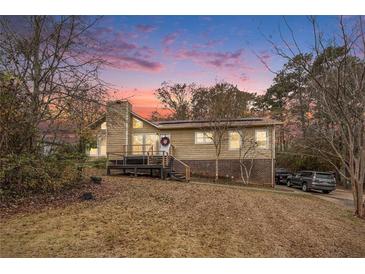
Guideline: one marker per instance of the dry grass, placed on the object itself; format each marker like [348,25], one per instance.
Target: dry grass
[153,218]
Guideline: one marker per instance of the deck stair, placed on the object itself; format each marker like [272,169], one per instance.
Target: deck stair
[178,176]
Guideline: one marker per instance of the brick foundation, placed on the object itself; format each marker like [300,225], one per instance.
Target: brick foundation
[261,171]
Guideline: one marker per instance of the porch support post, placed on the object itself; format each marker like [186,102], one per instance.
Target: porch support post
[161,173]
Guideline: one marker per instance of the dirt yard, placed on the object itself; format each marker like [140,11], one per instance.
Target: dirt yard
[139,217]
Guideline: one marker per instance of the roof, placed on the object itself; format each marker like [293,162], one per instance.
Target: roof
[181,124]
[253,121]
[58,132]
[202,121]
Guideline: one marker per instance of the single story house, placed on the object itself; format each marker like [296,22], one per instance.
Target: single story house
[123,132]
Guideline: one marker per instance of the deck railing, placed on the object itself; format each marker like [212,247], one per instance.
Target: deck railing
[151,156]
[136,149]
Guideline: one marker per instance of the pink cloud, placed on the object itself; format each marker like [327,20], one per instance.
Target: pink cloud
[145,28]
[212,58]
[208,44]
[170,38]
[265,56]
[132,63]
[120,51]
[243,77]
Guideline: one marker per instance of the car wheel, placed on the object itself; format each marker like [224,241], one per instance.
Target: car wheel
[288,183]
[326,191]
[304,187]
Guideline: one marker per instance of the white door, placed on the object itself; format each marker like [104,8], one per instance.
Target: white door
[165,148]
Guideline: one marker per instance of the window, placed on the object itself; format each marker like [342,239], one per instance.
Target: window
[93,152]
[137,123]
[143,141]
[103,125]
[203,138]
[151,139]
[261,138]
[102,145]
[234,140]
[137,143]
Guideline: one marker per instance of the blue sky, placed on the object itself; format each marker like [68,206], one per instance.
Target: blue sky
[144,51]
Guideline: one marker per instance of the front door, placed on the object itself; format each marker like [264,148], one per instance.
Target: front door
[165,146]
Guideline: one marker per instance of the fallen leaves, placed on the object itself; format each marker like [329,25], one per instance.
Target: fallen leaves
[144,217]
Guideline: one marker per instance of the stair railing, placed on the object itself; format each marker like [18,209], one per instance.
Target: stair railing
[186,167]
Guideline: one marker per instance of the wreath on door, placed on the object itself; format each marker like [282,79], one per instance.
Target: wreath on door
[165,141]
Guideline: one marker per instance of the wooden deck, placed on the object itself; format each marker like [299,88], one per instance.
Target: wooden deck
[148,162]
[135,168]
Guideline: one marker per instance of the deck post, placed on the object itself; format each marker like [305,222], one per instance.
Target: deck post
[135,172]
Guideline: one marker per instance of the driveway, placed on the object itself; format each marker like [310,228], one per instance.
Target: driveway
[339,196]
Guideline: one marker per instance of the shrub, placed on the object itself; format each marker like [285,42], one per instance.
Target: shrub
[301,162]
[98,163]
[25,174]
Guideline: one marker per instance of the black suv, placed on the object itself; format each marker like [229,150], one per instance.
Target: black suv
[315,180]
[281,174]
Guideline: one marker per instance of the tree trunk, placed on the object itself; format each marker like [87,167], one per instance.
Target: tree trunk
[216,169]
[359,203]
[242,175]
[302,114]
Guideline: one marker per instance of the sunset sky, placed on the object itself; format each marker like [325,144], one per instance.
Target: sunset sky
[144,51]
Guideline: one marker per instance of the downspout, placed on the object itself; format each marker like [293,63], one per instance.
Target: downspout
[127,127]
[273,156]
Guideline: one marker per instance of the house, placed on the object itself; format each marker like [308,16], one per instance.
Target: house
[55,134]
[123,134]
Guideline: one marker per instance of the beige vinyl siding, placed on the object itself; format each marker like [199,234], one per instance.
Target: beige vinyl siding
[186,149]
[146,129]
[183,140]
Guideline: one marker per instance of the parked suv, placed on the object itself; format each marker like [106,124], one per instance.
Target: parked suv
[281,174]
[315,180]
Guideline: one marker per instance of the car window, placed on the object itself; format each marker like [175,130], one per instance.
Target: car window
[324,176]
[306,174]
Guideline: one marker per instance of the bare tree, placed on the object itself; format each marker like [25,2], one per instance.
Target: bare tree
[247,147]
[80,114]
[176,97]
[49,57]
[337,81]
[14,124]
[218,106]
